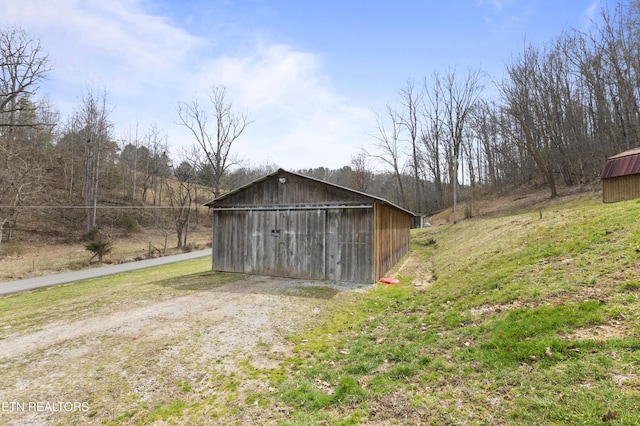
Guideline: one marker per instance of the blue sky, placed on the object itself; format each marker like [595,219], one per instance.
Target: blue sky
[310,74]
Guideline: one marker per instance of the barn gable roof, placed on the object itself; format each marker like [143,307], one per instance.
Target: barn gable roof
[623,164]
[223,199]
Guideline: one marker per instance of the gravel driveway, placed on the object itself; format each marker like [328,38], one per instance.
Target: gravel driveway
[133,360]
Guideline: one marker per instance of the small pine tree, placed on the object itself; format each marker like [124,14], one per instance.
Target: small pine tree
[98,246]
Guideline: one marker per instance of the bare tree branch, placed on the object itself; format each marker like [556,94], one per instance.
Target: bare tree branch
[388,147]
[215,143]
[23,65]
[461,94]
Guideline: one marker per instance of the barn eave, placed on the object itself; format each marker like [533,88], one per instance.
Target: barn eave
[213,204]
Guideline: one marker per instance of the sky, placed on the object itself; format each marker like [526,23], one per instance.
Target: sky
[310,74]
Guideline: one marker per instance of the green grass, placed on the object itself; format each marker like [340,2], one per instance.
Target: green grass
[513,330]
[32,310]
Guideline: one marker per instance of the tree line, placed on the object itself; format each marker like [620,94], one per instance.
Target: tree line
[79,163]
[560,109]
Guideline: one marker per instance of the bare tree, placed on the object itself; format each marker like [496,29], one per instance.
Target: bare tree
[618,38]
[433,134]
[388,148]
[460,96]
[130,161]
[20,177]
[23,65]
[411,100]
[532,97]
[155,166]
[182,192]
[92,130]
[361,174]
[216,142]
[486,132]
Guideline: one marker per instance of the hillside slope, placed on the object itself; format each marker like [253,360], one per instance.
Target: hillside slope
[530,318]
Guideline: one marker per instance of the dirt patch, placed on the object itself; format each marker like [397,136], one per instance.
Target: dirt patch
[420,271]
[488,309]
[612,330]
[195,356]
[396,409]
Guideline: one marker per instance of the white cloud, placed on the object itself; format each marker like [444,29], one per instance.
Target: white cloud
[496,4]
[146,64]
[298,119]
[591,14]
[115,34]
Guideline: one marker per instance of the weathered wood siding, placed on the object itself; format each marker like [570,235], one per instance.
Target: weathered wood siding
[283,243]
[349,249]
[392,234]
[296,191]
[322,244]
[229,241]
[621,188]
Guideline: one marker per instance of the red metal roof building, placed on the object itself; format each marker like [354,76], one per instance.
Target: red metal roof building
[621,177]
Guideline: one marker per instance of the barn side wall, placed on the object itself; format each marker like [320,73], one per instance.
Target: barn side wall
[621,188]
[392,233]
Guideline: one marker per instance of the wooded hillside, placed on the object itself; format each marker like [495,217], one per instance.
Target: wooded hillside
[558,112]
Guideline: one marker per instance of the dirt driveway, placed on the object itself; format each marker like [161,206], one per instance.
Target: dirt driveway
[194,357]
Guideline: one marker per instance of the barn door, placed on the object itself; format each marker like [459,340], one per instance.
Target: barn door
[286,243]
[300,244]
[349,245]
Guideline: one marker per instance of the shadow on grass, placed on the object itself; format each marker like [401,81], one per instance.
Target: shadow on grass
[255,284]
[206,281]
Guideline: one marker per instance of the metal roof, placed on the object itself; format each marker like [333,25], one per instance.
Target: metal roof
[623,164]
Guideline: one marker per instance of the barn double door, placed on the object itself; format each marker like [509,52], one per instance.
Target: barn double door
[318,244]
[286,243]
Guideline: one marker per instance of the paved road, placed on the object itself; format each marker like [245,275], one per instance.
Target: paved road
[50,280]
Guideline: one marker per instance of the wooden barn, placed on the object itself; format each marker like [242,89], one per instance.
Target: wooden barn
[289,225]
[621,177]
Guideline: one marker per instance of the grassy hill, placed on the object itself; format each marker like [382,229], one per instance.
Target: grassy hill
[530,318]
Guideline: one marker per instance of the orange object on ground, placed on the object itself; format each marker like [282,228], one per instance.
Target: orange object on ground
[389,280]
